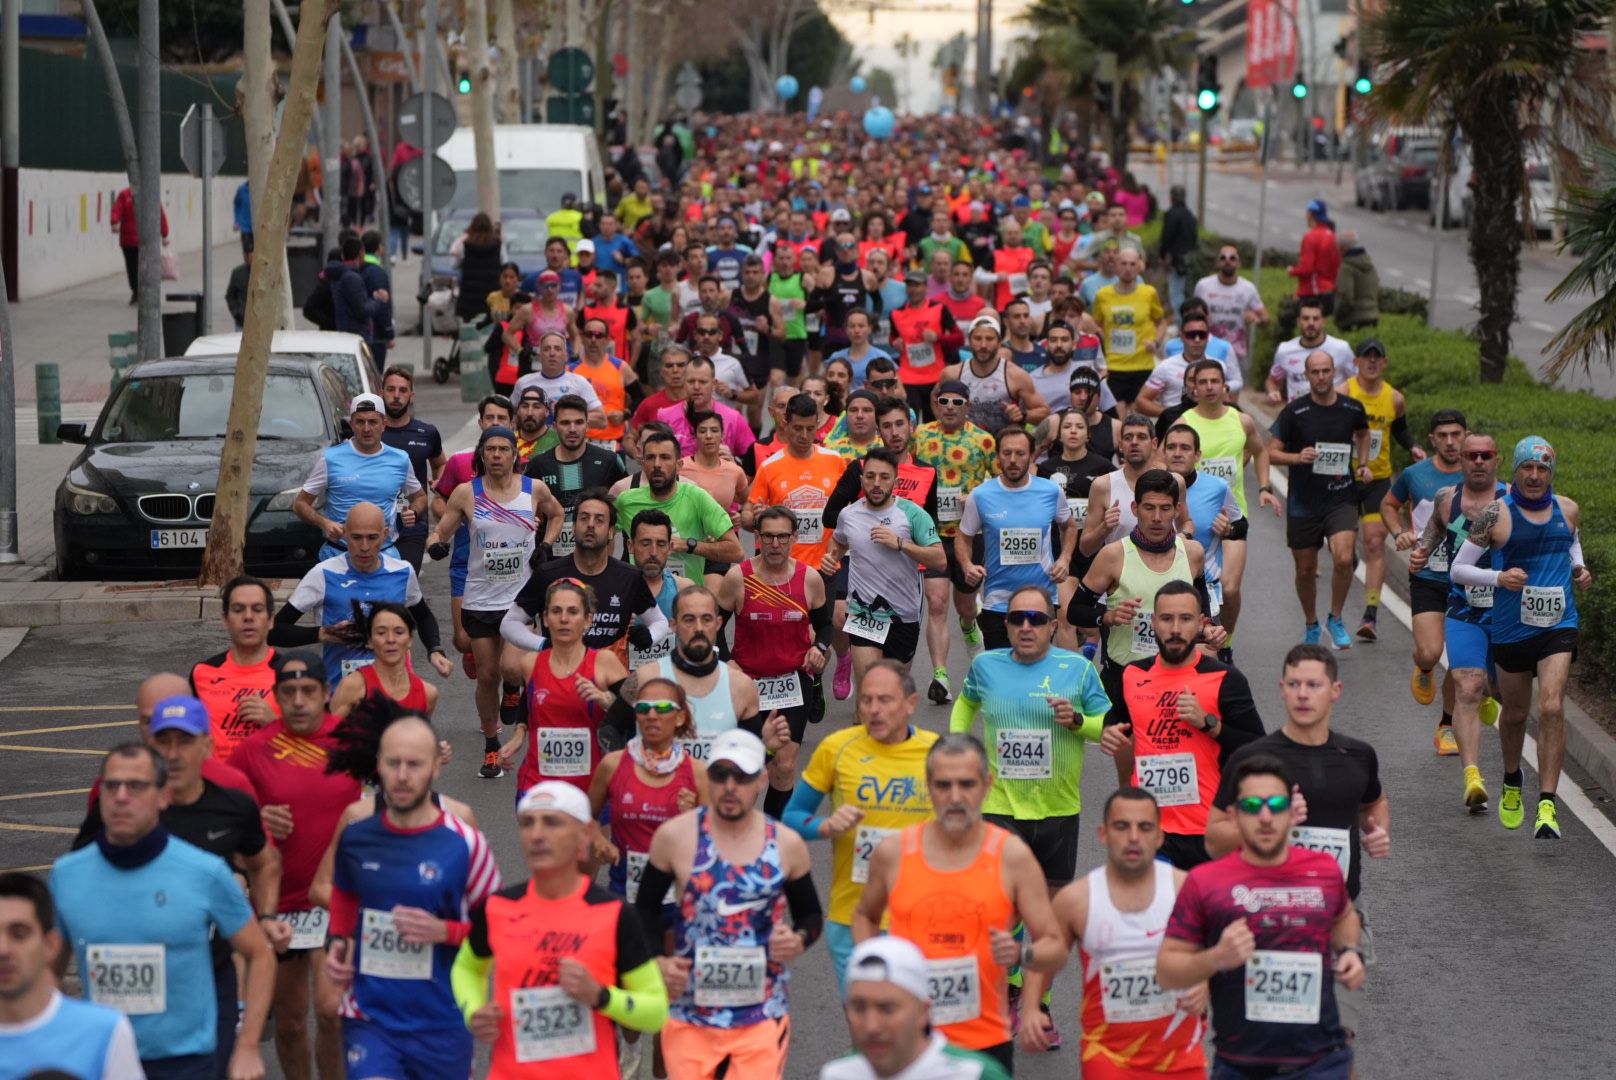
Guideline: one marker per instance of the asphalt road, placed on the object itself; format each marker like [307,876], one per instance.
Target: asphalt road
[1490,960]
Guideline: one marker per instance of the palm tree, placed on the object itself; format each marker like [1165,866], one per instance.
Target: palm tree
[1504,74]
[1589,219]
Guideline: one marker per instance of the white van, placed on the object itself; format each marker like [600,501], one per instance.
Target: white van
[538,163]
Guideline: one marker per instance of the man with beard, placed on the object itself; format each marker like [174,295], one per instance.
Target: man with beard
[735,871]
[363,469]
[702,529]
[1028,354]
[557,381]
[650,539]
[1137,446]
[1183,713]
[534,433]
[417,438]
[574,465]
[1053,380]
[1166,394]
[956,886]
[1271,927]
[700,381]
[1214,511]
[1000,392]
[396,924]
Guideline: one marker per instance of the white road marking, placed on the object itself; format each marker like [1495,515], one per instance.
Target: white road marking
[1394,272]
[1422,282]
[1543,327]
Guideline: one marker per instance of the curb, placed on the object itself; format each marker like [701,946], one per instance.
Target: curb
[51,603]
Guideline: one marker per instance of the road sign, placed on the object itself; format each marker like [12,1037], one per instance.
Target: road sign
[412,117]
[687,88]
[571,70]
[570,109]
[412,177]
[191,142]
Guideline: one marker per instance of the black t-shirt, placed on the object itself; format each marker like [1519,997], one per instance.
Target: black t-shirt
[598,468]
[422,442]
[1320,487]
[1076,477]
[620,594]
[1338,779]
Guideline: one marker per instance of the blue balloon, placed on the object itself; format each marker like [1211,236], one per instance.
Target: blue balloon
[786,87]
[857,84]
[879,122]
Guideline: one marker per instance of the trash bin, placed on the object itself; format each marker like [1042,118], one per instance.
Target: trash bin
[181,325]
[304,261]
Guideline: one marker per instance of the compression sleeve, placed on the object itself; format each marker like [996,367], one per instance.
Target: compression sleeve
[963,715]
[1087,608]
[845,492]
[514,629]
[426,626]
[344,909]
[635,393]
[802,811]
[287,634]
[803,901]
[1401,433]
[1576,550]
[469,980]
[1466,569]
[654,884]
[1239,530]
[821,618]
[641,1002]
[1199,585]
[617,726]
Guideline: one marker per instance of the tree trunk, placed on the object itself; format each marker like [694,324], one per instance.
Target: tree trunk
[1495,226]
[257,91]
[227,534]
[510,93]
[482,106]
[149,192]
[120,106]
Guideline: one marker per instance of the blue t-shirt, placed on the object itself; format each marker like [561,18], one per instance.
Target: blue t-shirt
[1216,349]
[572,286]
[334,585]
[1417,488]
[860,365]
[347,478]
[1207,498]
[612,254]
[142,938]
[1019,539]
[73,1036]
[1031,360]
[727,264]
[1092,285]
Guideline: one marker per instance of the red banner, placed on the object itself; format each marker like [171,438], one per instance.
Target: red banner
[1270,42]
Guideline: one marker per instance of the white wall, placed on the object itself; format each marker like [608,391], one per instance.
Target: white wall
[64,235]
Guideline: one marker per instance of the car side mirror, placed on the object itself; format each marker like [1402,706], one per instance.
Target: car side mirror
[73,433]
[344,428]
[419,249]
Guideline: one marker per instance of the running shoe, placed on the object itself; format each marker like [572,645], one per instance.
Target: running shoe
[1054,1032]
[1366,630]
[468,664]
[939,691]
[973,641]
[842,684]
[630,1055]
[1014,1005]
[1422,686]
[1489,710]
[1510,810]
[1548,821]
[1338,632]
[1446,743]
[491,769]
[1475,790]
[1312,635]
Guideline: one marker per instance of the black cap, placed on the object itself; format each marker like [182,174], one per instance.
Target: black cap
[1443,417]
[1368,346]
[1085,376]
[954,386]
[309,665]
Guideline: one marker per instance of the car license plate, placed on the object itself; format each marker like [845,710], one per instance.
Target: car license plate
[162,539]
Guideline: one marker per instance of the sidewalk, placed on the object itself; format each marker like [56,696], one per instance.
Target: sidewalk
[53,603]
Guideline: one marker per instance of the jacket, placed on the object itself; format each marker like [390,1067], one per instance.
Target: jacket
[1357,290]
[1178,237]
[1315,271]
[123,219]
[241,209]
[355,308]
[375,277]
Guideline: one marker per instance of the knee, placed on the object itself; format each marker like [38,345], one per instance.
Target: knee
[1374,545]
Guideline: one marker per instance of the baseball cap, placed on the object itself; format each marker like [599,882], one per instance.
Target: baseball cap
[841,214]
[533,391]
[557,795]
[1317,208]
[1085,376]
[924,189]
[1368,346]
[915,277]
[1533,448]
[180,713]
[366,403]
[890,959]
[299,665]
[953,386]
[584,245]
[1020,200]
[1095,197]
[984,320]
[569,199]
[740,748]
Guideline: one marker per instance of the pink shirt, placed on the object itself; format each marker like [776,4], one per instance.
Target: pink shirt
[737,432]
[456,471]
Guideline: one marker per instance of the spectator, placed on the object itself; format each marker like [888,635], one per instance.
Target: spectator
[1315,271]
[1134,199]
[1357,286]
[1179,241]
[123,223]
[235,294]
[379,283]
[477,253]
[242,217]
[354,307]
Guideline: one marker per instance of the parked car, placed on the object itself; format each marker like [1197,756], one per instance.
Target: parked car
[1460,189]
[1399,171]
[137,500]
[348,354]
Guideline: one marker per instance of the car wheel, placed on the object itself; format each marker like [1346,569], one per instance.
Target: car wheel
[440,371]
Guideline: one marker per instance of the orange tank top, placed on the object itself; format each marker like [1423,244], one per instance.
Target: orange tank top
[607,379]
[947,914]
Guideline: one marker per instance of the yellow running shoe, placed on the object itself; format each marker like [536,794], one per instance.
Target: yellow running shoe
[1475,791]
[1510,810]
[1447,745]
[1422,686]
[1489,710]
[1548,821]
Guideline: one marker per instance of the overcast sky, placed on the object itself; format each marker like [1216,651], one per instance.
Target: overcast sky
[930,29]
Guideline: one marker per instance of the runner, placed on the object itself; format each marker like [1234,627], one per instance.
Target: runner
[1288,378]
[420,440]
[1073,467]
[1214,511]
[736,873]
[556,380]
[102,898]
[650,541]
[1165,393]
[888,1010]
[956,887]
[1192,712]
[404,881]
[534,433]
[236,685]
[855,430]
[555,996]
[361,470]
[1233,303]
[1263,924]
[1324,439]
[1117,491]
[492,411]
[672,366]
[787,287]
[613,378]
[799,478]
[1133,325]
[702,529]
[1028,354]
[573,465]
[617,318]
[1053,380]
[925,333]
[1132,1028]
[999,391]
[1019,516]
[1387,413]
[1089,396]
[763,324]
[388,629]
[1532,532]
[874,774]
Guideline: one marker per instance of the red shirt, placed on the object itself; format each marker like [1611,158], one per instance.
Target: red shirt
[123,219]
[456,471]
[222,684]
[651,406]
[1320,262]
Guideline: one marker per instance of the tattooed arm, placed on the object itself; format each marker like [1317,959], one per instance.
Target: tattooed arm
[1435,526]
[1488,530]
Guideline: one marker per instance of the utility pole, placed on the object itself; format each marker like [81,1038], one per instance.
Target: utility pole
[984,57]
[10,127]
[429,80]
[8,428]
[1262,184]
[204,324]
[149,192]
[331,141]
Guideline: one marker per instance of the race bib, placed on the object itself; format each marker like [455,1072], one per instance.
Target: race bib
[950,503]
[865,841]
[1144,636]
[308,928]
[562,751]
[1121,342]
[353,664]
[751,337]
[635,863]
[504,566]
[922,354]
[1334,459]
[955,987]
[1023,753]
[1130,993]
[640,657]
[385,954]
[1284,987]
[549,1024]
[1020,547]
[729,975]
[1479,596]
[565,542]
[1214,595]
[881,336]
[700,749]
[1336,843]
[810,525]
[1171,778]
[871,627]
[1542,605]
[810,322]
[1079,509]
[1018,284]
[130,978]
[1226,469]
[1377,439]
[1439,562]
[778,691]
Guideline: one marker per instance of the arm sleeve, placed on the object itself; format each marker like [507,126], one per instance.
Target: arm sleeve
[654,883]
[514,629]
[802,811]
[821,618]
[469,977]
[426,625]
[1238,711]
[285,633]
[640,1001]
[1466,569]
[344,912]
[963,715]
[803,901]
[1087,608]
[1401,433]
[846,492]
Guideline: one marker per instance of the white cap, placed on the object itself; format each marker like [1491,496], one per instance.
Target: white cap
[366,401]
[557,795]
[985,320]
[740,748]
[585,244]
[841,214]
[889,959]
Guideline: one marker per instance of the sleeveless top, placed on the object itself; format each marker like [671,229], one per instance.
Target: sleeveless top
[1137,640]
[1223,449]
[1055,387]
[1122,499]
[502,540]
[733,910]
[1102,437]
[1544,552]
[786,289]
[1127,1018]
[1466,603]
[772,631]
[607,379]
[543,323]
[947,915]
[637,808]
[712,714]
[414,701]
[989,394]
[664,600]
[561,728]
[1382,409]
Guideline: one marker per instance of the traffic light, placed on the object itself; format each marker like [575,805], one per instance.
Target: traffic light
[1363,84]
[1299,87]
[1206,79]
[464,83]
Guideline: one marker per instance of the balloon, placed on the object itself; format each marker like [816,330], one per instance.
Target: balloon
[857,84]
[879,123]
[786,87]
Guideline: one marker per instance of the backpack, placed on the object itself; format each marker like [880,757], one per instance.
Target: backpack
[319,308]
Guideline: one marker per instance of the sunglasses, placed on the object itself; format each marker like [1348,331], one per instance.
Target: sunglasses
[660,706]
[883,384]
[719,773]
[1193,335]
[953,402]
[133,787]
[595,334]
[1252,804]
[1027,618]
[1481,455]
[1228,258]
[706,333]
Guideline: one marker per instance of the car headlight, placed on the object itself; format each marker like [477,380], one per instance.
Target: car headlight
[83,500]
[284,500]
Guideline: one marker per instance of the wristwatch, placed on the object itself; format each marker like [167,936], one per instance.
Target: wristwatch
[604,998]
[1212,721]
[1268,489]
[690,544]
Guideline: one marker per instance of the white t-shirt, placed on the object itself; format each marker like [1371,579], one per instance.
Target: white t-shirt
[1168,379]
[568,382]
[730,372]
[1227,306]
[1290,363]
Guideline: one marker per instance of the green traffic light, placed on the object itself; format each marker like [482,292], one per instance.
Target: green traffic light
[1207,100]
[1299,90]
[465,84]
[1362,86]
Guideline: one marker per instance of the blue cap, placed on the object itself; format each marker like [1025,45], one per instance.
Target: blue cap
[1533,448]
[924,189]
[1020,201]
[182,713]
[1317,208]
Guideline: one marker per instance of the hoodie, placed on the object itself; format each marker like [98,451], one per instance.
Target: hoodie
[1357,290]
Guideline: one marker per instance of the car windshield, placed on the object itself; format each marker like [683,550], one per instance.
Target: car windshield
[523,235]
[539,188]
[160,408]
[1424,153]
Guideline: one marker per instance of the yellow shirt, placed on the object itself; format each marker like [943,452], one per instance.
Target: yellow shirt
[888,782]
[1382,410]
[1128,326]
